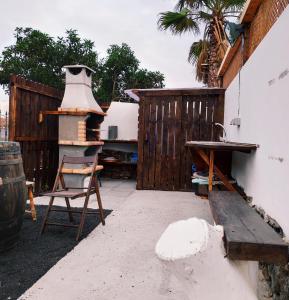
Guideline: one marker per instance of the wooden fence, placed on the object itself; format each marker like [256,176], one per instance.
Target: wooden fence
[39,143]
[167,119]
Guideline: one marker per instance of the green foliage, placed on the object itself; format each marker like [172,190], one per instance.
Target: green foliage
[39,57]
[178,22]
[144,79]
[120,71]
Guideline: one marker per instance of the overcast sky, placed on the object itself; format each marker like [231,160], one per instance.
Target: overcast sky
[106,22]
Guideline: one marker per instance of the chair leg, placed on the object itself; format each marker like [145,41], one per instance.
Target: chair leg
[99,180]
[99,201]
[69,210]
[31,202]
[82,218]
[46,215]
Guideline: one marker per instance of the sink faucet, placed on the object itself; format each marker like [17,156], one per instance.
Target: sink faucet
[222,138]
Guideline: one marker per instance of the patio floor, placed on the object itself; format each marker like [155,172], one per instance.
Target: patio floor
[117,261]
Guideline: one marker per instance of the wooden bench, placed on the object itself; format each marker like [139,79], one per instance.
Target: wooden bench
[246,235]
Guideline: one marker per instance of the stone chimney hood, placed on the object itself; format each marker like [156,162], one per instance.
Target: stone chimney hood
[78,92]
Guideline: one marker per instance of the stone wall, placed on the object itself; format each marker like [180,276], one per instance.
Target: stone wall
[273,279]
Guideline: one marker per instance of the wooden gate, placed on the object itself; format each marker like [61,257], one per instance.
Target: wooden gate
[167,119]
[39,143]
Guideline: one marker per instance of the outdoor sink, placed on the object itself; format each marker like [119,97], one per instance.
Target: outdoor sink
[230,143]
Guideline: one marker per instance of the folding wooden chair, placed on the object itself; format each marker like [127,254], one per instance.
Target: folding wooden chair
[90,169]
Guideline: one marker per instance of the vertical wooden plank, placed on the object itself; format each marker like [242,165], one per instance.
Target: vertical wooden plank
[218,115]
[178,144]
[203,136]
[210,124]
[141,140]
[152,143]
[12,109]
[146,148]
[190,122]
[183,139]
[171,137]
[187,154]
[164,169]
[158,155]
[196,119]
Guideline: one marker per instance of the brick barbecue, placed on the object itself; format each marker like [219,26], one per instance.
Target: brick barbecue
[80,117]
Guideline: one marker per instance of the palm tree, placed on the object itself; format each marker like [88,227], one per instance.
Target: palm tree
[208,17]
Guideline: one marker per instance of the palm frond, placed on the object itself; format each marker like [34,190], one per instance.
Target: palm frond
[232,5]
[205,16]
[196,50]
[178,22]
[192,4]
[198,56]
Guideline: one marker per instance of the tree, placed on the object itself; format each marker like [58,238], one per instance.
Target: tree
[120,71]
[39,57]
[209,18]
[144,79]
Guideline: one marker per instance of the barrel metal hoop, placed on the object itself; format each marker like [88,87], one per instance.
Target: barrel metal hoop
[4,181]
[10,162]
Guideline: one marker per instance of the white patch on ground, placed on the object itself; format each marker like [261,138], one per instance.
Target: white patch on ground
[183,239]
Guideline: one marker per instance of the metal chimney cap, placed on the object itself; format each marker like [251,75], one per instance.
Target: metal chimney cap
[78,66]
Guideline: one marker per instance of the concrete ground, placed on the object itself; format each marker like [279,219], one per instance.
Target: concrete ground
[117,261]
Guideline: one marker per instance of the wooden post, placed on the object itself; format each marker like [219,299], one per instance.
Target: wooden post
[141,141]
[219,173]
[211,170]
[12,109]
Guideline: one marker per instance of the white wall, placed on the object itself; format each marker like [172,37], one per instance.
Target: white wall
[125,116]
[264,112]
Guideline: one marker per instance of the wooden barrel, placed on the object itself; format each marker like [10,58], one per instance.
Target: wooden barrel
[13,194]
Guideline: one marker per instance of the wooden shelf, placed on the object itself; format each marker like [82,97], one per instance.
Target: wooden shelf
[79,143]
[121,141]
[69,112]
[81,111]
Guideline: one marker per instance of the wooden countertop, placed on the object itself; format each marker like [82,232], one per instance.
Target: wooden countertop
[222,146]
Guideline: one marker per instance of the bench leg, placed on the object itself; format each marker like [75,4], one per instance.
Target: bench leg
[31,201]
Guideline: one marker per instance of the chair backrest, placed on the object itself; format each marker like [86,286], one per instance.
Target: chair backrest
[79,160]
